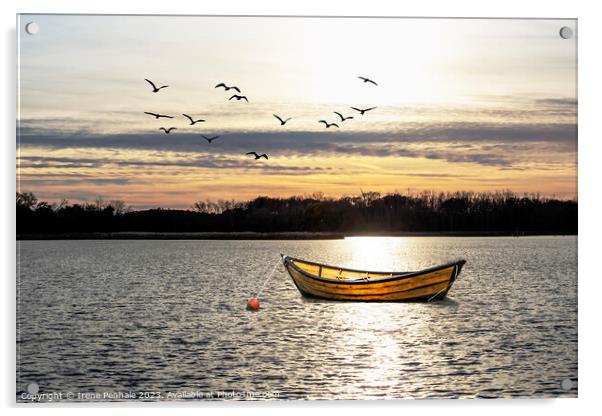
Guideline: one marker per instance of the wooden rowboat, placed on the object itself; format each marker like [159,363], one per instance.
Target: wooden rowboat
[321,281]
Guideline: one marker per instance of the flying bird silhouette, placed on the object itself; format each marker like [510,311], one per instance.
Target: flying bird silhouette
[209,139]
[282,122]
[239,97]
[155,89]
[328,125]
[192,122]
[367,80]
[256,155]
[343,118]
[167,131]
[157,115]
[226,88]
[364,110]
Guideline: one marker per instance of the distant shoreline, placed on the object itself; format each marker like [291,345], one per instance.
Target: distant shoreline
[271,236]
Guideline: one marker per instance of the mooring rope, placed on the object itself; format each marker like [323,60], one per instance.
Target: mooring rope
[268,278]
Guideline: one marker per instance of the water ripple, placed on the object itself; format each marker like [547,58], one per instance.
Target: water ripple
[169,316]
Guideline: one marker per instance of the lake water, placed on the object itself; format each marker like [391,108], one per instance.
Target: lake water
[166,320]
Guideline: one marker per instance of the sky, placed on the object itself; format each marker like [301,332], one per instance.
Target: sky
[461,104]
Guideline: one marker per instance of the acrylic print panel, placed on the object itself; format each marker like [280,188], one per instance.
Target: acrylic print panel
[164,163]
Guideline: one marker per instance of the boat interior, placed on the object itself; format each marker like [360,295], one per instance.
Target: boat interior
[337,273]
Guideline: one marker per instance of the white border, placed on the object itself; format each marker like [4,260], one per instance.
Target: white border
[590,24]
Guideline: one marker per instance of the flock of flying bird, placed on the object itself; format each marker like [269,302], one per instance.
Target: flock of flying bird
[240,97]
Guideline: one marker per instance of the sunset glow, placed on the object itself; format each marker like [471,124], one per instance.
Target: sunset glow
[478,105]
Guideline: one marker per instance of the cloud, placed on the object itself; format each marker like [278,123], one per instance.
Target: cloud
[27,182]
[483,143]
[307,141]
[205,161]
[478,158]
[485,155]
[557,102]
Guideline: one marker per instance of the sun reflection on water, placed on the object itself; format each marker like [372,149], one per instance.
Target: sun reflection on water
[369,340]
[369,333]
[377,253]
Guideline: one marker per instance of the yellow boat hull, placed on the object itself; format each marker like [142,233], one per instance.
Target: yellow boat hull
[321,281]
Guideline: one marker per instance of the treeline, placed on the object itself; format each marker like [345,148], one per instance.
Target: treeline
[497,212]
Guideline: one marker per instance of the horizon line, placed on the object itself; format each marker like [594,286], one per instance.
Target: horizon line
[315,195]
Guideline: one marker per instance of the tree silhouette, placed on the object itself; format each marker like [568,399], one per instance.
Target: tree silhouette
[468,212]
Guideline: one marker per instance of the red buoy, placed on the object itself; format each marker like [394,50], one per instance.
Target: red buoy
[253,304]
